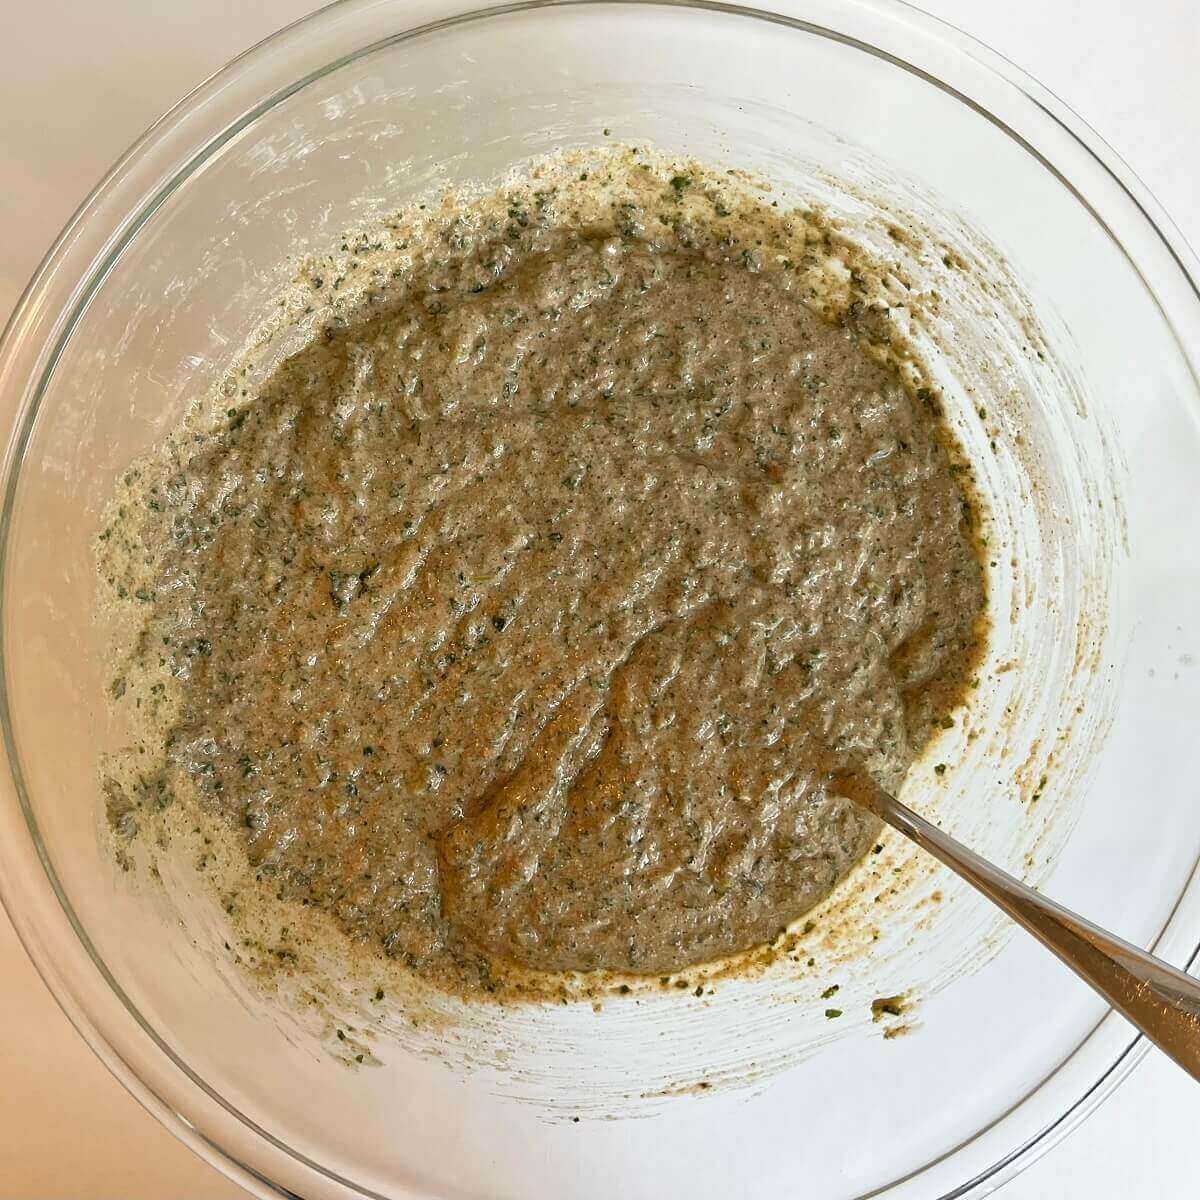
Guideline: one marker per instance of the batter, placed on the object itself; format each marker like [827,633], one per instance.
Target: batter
[517,615]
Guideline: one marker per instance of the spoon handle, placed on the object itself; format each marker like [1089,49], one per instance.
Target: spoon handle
[1162,1002]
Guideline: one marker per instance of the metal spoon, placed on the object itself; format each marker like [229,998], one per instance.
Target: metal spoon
[1162,1002]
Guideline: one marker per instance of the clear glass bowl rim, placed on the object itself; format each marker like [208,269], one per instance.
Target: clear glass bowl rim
[56,298]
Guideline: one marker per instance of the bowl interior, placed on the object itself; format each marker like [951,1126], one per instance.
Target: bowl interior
[1091,681]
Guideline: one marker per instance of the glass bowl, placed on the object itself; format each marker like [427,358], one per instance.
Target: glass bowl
[175,259]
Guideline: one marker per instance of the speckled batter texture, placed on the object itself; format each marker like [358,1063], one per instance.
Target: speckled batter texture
[518,616]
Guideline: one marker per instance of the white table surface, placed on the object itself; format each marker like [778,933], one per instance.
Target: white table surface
[78,81]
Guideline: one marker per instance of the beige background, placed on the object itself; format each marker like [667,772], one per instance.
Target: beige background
[78,81]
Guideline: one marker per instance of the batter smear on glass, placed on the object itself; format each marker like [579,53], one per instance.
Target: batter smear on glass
[515,616]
